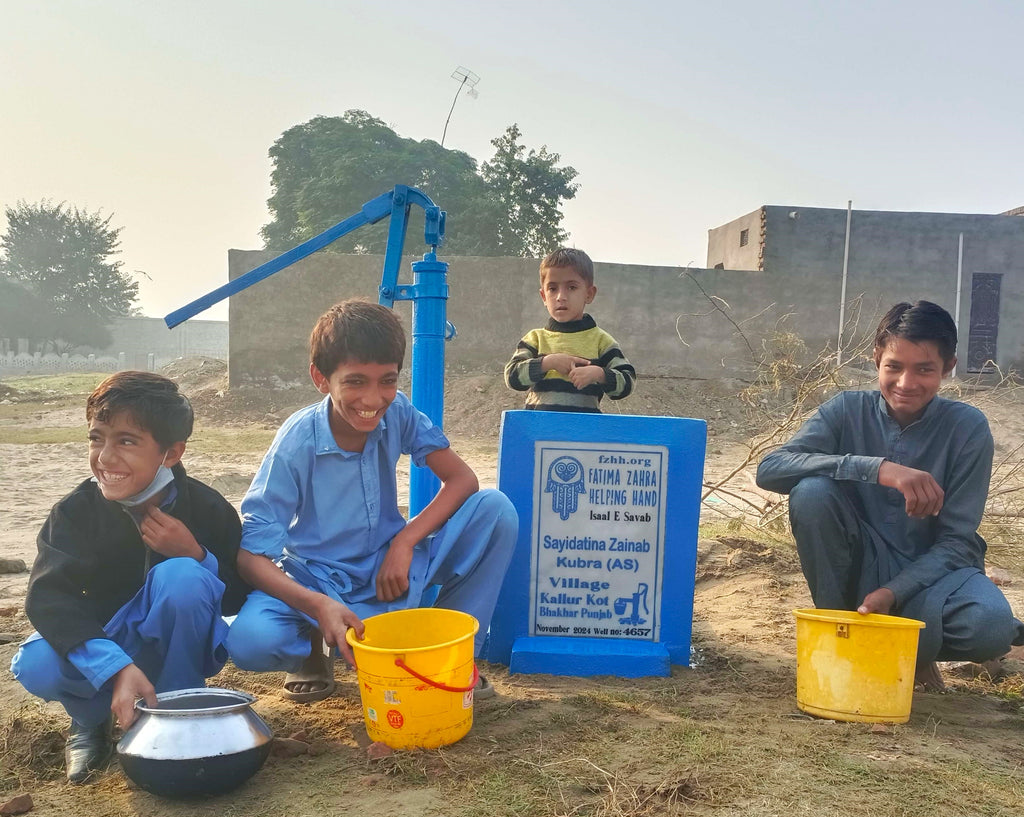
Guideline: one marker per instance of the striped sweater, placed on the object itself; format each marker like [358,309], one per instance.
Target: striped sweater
[551,391]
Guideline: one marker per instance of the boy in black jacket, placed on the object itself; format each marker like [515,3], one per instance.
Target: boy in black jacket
[135,569]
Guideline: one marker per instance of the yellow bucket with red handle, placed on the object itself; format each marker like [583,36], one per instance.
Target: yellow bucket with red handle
[416,676]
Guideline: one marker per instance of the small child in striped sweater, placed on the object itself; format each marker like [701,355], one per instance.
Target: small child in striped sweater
[571,363]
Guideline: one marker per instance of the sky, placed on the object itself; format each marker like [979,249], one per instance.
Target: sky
[679,116]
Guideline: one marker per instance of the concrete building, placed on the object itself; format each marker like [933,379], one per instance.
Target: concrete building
[892,256]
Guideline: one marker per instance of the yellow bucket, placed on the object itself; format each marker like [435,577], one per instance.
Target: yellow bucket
[416,676]
[854,667]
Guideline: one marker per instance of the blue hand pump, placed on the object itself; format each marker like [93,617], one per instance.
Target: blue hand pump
[428,293]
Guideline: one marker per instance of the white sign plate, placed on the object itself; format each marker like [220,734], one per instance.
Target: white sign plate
[598,540]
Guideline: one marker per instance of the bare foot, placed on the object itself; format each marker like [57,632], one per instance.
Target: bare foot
[929,678]
[994,668]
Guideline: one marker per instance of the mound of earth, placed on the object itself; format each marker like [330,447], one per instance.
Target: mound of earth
[197,372]
[474,401]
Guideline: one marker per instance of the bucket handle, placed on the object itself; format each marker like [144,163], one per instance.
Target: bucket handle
[476,676]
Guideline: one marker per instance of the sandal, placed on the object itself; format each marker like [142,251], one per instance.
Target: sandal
[483,690]
[313,671]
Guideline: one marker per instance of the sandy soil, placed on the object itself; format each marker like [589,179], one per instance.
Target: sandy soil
[722,737]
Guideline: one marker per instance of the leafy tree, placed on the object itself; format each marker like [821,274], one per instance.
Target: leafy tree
[328,167]
[22,312]
[531,188]
[57,260]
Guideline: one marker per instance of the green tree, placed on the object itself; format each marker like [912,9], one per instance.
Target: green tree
[328,167]
[22,312]
[58,259]
[530,188]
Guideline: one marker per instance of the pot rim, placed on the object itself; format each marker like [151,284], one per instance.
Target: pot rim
[238,701]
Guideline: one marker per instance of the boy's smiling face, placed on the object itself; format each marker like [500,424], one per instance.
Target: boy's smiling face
[909,376]
[360,394]
[565,293]
[124,458]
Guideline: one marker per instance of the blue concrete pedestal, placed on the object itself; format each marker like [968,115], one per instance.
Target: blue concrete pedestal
[602,579]
[560,655]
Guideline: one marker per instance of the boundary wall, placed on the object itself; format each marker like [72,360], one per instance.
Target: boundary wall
[136,343]
[670,321]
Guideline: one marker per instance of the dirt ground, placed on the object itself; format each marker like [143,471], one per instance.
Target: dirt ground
[721,737]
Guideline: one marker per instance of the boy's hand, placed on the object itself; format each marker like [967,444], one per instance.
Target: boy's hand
[878,601]
[586,373]
[334,620]
[923,494]
[562,363]
[393,576]
[168,535]
[130,684]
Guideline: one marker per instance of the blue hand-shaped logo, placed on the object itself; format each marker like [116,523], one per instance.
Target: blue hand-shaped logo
[565,484]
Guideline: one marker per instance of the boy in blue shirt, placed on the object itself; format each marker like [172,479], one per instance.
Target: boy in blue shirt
[323,541]
[134,571]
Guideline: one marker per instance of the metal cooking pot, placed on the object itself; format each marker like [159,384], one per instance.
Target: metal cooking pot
[195,742]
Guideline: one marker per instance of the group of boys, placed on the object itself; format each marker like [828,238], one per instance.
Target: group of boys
[138,567]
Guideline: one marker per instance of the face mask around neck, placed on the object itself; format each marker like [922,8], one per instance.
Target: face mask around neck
[164,476]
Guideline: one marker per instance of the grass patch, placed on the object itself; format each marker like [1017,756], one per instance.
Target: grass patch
[43,436]
[203,441]
[686,742]
[733,528]
[206,440]
[36,404]
[600,771]
[513,792]
[31,748]
[926,790]
[1010,688]
[31,394]
[65,383]
[594,757]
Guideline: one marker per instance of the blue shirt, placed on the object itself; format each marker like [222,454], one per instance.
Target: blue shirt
[325,514]
[850,436]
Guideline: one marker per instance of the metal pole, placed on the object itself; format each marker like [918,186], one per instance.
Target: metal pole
[452,108]
[842,295]
[429,321]
[959,284]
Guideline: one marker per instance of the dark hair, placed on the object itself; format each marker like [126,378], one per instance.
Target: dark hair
[918,322]
[356,330]
[152,400]
[569,257]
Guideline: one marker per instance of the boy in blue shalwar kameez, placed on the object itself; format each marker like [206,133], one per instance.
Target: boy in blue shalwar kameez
[323,541]
[135,569]
[886,492]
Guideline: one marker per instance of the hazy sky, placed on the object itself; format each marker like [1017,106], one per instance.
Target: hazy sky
[679,116]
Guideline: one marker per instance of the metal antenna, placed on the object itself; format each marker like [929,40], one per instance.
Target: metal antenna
[466,79]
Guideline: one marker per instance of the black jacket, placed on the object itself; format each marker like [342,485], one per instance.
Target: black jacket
[92,559]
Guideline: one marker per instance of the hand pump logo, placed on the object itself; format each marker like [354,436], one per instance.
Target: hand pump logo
[565,484]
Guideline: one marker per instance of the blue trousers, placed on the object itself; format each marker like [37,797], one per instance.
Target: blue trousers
[843,558]
[172,630]
[468,557]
